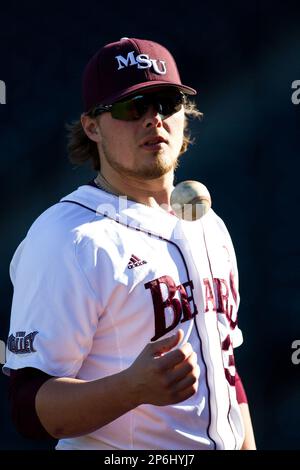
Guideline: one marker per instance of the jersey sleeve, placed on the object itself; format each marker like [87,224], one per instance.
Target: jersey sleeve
[55,311]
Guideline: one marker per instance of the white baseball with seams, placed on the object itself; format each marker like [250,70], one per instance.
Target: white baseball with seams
[190,200]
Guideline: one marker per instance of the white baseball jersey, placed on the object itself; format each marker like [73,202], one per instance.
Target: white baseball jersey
[97,278]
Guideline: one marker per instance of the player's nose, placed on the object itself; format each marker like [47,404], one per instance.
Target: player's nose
[152,118]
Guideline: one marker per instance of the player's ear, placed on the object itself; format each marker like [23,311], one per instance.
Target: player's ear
[90,127]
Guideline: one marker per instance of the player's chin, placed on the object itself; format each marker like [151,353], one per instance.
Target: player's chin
[158,169]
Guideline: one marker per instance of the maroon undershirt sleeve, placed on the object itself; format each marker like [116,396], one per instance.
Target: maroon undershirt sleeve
[23,387]
[240,391]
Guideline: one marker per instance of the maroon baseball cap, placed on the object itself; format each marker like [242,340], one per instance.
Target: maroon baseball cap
[121,68]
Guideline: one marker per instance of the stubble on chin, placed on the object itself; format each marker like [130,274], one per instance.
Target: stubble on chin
[159,167]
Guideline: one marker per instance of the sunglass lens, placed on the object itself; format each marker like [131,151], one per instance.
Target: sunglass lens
[166,104]
[129,110]
[169,103]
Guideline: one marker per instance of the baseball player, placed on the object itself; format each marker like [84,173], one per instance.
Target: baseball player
[124,317]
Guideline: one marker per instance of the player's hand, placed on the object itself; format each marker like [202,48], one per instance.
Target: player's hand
[160,376]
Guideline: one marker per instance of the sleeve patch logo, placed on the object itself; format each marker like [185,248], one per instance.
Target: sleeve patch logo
[21,343]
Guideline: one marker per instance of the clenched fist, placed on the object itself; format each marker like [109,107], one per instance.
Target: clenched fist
[162,375]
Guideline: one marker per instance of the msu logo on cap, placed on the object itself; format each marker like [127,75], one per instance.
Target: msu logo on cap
[143,61]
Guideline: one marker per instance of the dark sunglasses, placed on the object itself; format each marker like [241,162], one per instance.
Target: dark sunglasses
[166,103]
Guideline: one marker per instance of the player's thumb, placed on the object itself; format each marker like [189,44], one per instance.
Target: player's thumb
[166,344]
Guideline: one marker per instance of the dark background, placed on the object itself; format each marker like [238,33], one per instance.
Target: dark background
[242,57]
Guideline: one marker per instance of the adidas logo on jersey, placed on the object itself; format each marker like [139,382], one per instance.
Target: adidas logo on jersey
[134,262]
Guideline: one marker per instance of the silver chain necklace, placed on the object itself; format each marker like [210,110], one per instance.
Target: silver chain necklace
[103,184]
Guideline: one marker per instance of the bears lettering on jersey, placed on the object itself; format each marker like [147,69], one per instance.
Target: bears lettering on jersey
[219,302]
[185,307]
[217,293]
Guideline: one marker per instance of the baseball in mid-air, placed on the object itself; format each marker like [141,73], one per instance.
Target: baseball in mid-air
[190,200]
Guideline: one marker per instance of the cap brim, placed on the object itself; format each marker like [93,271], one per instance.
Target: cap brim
[146,86]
